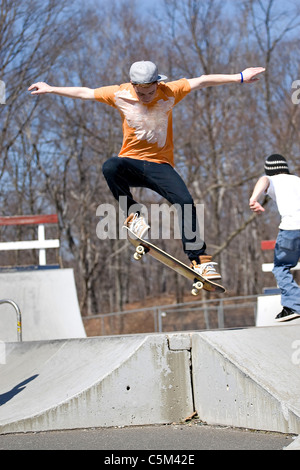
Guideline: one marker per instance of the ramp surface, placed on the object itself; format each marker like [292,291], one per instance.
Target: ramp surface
[246,378]
[268,307]
[249,378]
[48,303]
[94,382]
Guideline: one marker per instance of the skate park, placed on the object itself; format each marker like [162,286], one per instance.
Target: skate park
[54,377]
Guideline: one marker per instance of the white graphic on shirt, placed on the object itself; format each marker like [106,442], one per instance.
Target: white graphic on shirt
[150,123]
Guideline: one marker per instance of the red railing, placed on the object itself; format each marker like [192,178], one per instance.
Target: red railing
[41,243]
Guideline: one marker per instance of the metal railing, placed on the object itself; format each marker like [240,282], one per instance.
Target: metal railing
[19,316]
[41,243]
[204,314]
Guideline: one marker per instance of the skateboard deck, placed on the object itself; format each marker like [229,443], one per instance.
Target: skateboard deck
[143,247]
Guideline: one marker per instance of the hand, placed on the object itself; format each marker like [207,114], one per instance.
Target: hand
[255,206]
[40,88]
[250,74]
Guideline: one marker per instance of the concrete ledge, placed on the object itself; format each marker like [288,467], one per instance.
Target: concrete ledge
[242,378]
[94,382]
[294,445]
[248,378]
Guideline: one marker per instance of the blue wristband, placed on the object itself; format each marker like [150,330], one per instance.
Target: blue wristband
[242,78]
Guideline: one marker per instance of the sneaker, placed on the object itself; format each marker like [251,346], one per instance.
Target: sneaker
[206,268]
[137,224]
[287,314]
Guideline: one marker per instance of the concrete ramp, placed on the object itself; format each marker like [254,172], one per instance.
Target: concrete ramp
[245,378]
[94,382]
[268,306]
[48,303]
[248,378]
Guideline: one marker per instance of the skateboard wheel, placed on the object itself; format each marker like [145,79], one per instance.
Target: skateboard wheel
[140,250]
[137,256]
[198,285]
[195,291]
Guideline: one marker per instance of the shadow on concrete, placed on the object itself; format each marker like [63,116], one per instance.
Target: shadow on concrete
[5,397]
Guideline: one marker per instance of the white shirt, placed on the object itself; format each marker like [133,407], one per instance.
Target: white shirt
[285,191]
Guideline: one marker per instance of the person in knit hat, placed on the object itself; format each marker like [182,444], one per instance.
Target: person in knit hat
[276,164]
[284,189]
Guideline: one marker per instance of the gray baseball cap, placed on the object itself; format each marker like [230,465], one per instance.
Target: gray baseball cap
[144,72]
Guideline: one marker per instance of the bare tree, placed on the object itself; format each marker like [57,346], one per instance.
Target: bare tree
[52,148]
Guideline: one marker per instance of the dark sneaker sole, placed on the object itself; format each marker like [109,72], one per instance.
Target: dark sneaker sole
[290,317]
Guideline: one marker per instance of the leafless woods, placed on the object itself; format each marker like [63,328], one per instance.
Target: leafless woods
[52,149]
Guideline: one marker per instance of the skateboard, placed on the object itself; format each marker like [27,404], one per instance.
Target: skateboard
[143,247]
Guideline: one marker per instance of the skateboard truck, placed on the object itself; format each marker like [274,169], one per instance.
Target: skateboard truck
[197,286]
[140,250]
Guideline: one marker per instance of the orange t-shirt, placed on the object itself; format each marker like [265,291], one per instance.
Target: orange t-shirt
[147,128]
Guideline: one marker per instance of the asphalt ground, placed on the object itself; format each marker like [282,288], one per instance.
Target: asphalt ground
[181,441]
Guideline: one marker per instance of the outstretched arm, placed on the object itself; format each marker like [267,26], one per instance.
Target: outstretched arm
[259,189]
[83,93]
[248,75]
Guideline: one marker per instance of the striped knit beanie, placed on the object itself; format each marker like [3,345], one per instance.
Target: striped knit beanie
[276,164]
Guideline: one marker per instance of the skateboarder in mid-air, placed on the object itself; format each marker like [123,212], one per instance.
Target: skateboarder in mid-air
[284,189]
[146,157]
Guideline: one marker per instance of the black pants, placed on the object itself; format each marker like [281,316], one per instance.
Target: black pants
[123,173]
